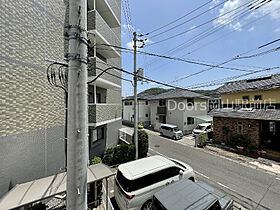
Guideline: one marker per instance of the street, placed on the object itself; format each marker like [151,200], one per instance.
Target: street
[252,188]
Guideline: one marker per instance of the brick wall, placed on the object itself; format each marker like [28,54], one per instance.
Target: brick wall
[250,128]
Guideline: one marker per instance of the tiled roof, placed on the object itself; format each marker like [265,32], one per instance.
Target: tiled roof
[258,114]
[178,93]
[261,83]
[141,96]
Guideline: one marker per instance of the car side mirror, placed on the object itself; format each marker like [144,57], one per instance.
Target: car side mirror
[181,173]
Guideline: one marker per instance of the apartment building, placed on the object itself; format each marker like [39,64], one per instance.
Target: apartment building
[144,109]
[183,108]
[250,108]
[104,26]
[32,117]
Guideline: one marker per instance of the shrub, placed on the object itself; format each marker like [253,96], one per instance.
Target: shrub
[95,200]
[119,154]
[143,143]
[239,140]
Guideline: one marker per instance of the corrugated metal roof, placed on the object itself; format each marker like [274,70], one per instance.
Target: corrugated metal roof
[260,83]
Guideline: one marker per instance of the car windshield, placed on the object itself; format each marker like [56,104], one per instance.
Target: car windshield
[176,129]
[199,127]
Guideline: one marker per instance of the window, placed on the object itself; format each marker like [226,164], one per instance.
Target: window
[147,115]
[90,97]
[190,120]
[126,103]
[98,98]
[245,98]
[190,101]
[162,119]
[145,181]
[130,103]
[96,134]
[162,102]
[239,128]
[258,97]
[147,102]
[272,128]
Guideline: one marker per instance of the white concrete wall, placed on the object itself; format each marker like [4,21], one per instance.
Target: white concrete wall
[199,110]
[144,109]
[113,133]
[179,116]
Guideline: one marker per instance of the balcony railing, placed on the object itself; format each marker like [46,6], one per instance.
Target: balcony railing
[98,113]
[161,110]
[93,71]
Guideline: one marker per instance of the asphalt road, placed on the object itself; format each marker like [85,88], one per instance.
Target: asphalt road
[252,188]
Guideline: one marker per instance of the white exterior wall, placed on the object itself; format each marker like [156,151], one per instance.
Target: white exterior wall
[177,116]
[143,109]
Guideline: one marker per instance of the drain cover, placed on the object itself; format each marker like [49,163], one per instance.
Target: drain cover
[157,145]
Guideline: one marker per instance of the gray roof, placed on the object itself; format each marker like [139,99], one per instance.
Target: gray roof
[258,114]
[178,93]
[186,194]
[260,83]
[141,96]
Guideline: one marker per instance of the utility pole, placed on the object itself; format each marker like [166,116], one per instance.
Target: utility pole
[77,132]
[135,97]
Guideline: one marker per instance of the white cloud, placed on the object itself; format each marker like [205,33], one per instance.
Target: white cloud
[277,30]
[251,29]
[271,8]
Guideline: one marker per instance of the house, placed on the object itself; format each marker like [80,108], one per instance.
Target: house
[183,108]
[144,113]
[32,118]
[250,108]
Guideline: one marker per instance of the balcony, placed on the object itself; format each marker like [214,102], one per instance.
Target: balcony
[103,34]
[102,113]
[110,10]
[107,81]
[161,110]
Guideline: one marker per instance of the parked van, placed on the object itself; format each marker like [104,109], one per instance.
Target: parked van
[185,194]
[202,128]
[138,180]
[171,131]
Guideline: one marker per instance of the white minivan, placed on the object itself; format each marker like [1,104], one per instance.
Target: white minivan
[202,128]
[171,131]
[137,181]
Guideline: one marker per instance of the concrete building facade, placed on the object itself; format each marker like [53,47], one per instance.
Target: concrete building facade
[144,112]
[32,117]
[178,107]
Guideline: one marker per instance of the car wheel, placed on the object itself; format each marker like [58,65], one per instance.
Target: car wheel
[147,205]
[174,138]
[160,133]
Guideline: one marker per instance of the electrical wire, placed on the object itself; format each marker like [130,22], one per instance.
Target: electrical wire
[186,20]
[177,59]
[238,57]
[198,26]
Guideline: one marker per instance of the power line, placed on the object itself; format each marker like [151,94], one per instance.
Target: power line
[238,57]
[227,79]
[142,77]
[183,17]
[177,59]
[181,33]
[203,35]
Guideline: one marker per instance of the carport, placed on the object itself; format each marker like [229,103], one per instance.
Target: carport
[30,192]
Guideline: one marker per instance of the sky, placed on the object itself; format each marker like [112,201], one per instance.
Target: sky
[238,27]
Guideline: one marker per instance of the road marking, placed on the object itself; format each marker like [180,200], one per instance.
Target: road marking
[200,174]
[278,178]
[223,185]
